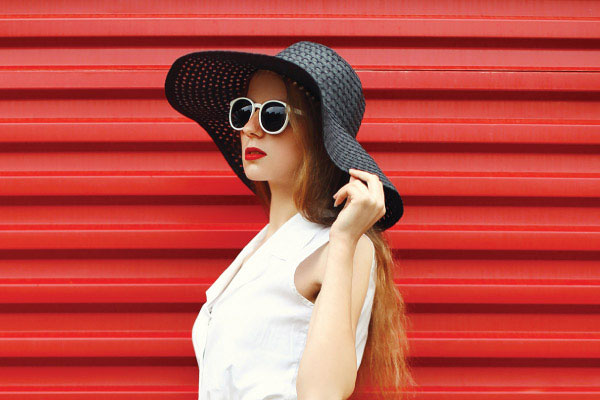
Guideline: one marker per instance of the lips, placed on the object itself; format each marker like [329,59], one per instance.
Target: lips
[253,153]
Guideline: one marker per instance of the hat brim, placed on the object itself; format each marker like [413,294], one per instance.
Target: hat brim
[346,153]
[200,85]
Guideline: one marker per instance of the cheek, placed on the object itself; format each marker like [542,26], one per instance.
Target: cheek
[294,152]
[289,157]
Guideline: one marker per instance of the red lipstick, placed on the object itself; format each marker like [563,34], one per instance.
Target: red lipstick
[253,153]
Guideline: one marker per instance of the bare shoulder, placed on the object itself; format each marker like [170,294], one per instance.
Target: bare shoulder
[316,262]
[364,250]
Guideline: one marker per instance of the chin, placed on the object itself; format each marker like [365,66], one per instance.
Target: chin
[254,175]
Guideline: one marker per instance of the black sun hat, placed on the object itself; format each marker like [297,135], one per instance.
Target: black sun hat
[200,86]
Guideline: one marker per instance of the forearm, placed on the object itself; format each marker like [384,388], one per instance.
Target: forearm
[328,364]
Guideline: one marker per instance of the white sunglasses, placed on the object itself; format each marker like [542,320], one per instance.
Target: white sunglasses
[273,116]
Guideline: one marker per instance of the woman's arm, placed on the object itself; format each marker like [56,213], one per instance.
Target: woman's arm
[328,366]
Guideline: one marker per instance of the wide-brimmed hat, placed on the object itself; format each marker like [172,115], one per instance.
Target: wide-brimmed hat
[200,86]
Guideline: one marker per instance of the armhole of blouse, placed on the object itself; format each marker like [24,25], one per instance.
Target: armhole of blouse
[292,283]
[316,243]
[292,272]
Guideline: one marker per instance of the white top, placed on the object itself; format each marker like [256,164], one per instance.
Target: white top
[249,339]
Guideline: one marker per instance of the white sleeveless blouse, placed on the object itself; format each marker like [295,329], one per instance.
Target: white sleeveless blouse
[249,338]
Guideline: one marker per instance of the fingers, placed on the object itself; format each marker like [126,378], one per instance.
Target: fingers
[374,186]
[351,191]
[373,182]
[358,186]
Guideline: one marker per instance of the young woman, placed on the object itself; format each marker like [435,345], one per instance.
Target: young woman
[312,294]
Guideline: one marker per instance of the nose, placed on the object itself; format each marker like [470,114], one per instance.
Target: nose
[252,127]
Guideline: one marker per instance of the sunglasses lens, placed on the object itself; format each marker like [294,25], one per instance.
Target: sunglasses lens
[273,116]
[240,113]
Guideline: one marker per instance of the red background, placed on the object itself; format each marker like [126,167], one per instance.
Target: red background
[117,213]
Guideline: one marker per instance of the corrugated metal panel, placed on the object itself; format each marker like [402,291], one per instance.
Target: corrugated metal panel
[117,213]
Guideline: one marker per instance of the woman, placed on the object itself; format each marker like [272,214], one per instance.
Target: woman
[296,312]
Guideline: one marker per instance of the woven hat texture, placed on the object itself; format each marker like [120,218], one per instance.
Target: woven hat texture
[200,86]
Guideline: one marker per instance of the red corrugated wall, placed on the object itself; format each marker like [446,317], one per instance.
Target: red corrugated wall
[117,213]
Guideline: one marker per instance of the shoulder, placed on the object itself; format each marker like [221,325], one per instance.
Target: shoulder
[364,250]
[364,255]
[364,258]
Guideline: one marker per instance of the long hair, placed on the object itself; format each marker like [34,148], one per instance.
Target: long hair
[384,365]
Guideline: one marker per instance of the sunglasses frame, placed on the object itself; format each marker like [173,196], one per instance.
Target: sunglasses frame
[260,107]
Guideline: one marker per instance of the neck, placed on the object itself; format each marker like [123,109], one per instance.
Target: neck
[282,207]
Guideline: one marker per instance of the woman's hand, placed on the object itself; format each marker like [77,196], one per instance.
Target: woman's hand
[365,205]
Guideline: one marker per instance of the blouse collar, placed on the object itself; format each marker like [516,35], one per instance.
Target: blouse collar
[291,237]
[287,242]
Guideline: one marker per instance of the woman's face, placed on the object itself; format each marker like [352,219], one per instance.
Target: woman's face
[283,152]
